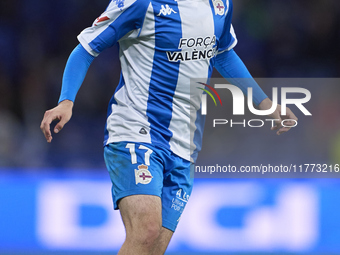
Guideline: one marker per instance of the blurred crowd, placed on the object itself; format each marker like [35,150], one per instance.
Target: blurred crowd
[281,38]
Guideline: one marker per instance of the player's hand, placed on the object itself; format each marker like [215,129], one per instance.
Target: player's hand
[278,117]
[62,112]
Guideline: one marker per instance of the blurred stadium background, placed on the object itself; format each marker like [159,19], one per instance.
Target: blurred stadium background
[55,198]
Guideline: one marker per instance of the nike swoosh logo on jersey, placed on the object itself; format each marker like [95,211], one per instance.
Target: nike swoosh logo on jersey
[166,10]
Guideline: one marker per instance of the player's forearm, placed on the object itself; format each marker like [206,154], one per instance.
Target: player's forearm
[74,73]
[231,67]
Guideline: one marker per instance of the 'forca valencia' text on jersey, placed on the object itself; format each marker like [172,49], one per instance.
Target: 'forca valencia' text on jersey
[162,45]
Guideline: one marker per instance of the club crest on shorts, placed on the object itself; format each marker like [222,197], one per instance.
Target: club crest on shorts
[219,7]
[143,175]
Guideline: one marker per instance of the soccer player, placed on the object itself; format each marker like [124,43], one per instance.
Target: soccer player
[152,136]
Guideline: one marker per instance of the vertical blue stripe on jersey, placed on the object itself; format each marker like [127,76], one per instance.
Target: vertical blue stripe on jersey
[231,40]
[112,101]
[200,119]
[221,25]
[222,29]
[168,32]
[198,135]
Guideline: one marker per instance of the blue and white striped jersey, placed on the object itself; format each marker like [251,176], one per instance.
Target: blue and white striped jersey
[162,44]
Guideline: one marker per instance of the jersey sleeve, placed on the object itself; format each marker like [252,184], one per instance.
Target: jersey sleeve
[228,39]
[120,17]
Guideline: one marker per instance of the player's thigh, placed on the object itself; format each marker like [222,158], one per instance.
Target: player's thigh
[141,214]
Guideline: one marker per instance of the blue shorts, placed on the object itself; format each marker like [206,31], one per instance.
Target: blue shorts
[144,169]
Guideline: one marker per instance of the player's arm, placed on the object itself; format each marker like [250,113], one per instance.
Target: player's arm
[74,74]
[231,67]
[107,30]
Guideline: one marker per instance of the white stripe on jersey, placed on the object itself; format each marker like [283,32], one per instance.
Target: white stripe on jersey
[179,125]
[125,121]
[232,32]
